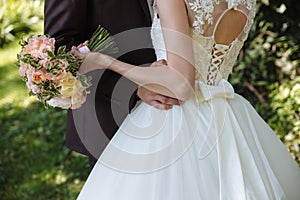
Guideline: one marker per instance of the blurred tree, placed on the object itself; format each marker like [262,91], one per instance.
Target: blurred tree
[18,17]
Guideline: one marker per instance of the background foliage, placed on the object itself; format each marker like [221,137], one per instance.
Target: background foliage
[18,17]
[33,159]
[268,70]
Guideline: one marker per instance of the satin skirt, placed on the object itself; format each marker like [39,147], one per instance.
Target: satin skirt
[214,146]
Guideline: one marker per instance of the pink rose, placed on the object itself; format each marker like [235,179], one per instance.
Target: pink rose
[37,77]
[44,63]
[35,89]
[38,46]
[24,68]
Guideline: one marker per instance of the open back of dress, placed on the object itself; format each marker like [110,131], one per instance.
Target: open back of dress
[215,54]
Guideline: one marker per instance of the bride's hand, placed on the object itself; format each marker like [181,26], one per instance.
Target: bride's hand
[91,60]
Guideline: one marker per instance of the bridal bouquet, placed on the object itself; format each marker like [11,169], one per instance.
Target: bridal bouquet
[52,75]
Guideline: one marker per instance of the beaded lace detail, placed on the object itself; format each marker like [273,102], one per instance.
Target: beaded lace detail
[213,62]
[203,10]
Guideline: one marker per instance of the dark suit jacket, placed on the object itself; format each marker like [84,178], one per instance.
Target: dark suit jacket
[72,22]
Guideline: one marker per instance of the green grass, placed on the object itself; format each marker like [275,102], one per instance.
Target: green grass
[11,85]
[34,163]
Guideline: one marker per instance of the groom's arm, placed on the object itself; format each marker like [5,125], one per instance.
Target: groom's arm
[65,20]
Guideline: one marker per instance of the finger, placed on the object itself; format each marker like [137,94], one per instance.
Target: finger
[172,101]
[76,52]
[160,106]
[166,100]
[86,42]
[73,50]
[160,98]
[162,62]
[159,63]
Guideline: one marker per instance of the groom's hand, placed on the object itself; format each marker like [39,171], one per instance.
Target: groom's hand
[154,99]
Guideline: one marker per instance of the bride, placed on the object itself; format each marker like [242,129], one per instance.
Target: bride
[214,145]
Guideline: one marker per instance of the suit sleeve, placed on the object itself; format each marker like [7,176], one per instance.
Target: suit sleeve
[65,20]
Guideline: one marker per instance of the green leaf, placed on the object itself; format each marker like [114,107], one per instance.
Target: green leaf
[51,54]
[61,50]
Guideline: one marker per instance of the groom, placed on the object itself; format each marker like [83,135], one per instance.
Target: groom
[72,22]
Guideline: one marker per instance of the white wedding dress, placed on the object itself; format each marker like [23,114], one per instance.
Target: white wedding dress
[214,146]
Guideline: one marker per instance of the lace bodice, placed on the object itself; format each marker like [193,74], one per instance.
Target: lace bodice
[213,61]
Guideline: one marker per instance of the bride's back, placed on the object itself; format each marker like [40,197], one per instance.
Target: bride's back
[219,29]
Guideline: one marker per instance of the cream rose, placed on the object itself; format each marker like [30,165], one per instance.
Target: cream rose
[67,85]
